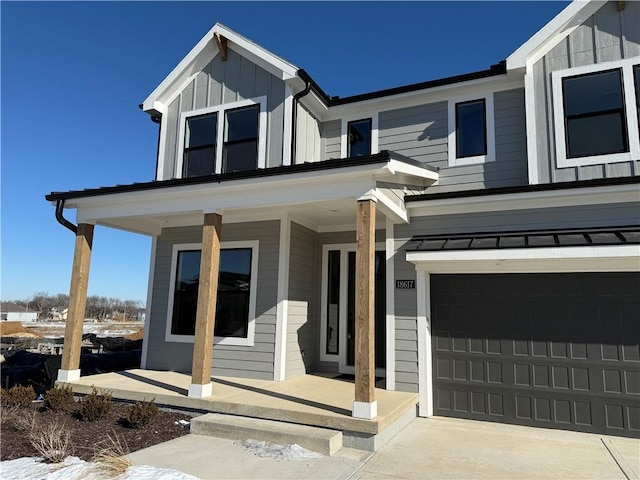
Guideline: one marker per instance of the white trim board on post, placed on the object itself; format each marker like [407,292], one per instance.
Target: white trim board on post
[282,307]
[147,315]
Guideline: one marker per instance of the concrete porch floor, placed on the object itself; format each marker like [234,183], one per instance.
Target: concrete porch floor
[315,399]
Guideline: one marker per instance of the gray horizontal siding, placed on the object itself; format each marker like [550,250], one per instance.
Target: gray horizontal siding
[421,132]
[302,325]
[330,133]
[220,83]
[250,362]
[606,36]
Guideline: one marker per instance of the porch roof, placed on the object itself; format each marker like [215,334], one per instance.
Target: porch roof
[319,194]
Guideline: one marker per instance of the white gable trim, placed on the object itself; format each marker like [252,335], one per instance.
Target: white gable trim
[204,51]
[548,36]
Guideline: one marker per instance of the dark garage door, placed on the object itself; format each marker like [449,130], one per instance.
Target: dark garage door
[548,350]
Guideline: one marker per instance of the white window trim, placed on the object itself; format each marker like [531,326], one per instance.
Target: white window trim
[354,117]
[253,286]
[489,124]
[630,111]
[220,110]
[341,356]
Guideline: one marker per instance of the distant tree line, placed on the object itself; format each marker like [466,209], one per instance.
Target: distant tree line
[99,308]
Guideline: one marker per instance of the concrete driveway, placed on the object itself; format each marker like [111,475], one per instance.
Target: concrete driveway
[434,448]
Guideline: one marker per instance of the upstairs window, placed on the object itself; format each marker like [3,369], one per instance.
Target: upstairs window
[241,140]
[200,146]
[636,79]
[359,138]
[235,304]
[471,129]
[222,139]
[595,114]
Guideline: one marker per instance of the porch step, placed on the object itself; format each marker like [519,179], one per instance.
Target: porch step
[321,440]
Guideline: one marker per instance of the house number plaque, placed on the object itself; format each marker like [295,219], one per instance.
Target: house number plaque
[405,284]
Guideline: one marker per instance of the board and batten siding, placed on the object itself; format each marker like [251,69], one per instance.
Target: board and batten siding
[608,35]
[303,308]
[220,83]
[228,360]
[405,300]
[308,142]
[421,132]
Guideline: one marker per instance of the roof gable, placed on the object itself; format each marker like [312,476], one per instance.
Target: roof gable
[553,32]
[203,53]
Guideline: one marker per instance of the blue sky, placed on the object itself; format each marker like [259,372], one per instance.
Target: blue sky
[74,73]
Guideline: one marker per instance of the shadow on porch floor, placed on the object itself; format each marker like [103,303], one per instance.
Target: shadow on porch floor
[314,399]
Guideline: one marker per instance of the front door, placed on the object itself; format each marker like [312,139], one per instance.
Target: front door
[339,308]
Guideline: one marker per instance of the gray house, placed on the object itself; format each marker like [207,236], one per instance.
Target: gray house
[473,239]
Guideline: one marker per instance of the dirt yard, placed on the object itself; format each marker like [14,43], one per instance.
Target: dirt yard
[86,437]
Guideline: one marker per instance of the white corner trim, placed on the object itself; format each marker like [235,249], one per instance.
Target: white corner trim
[490,156]
[391,209]
[282,307]
[287,133]
[244,342]
[200,391]
[425,368]
[391,309]
[530,125]
[220,111]
[162,145]
[631,116]
[67,376]
[147,315]
[352,118]
[365,410]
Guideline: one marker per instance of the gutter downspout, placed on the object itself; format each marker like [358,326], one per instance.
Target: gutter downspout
[294,114]
[63,221]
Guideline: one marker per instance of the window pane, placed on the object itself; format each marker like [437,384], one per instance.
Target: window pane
[594,114]
[201,131]
[359,139]
[333,303]
[592,93]
[470,129]
[240,156]
[596,135]
[232,306]
[242,124]
[200,161]
[186,293]
[232,310]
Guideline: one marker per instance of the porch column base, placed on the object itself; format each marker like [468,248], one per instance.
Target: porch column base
[200,391]
[365,410]
[68,375]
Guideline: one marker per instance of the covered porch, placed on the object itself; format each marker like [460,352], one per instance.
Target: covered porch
[200,215]
[319,400]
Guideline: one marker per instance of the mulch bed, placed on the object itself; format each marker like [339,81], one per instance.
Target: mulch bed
[87,437]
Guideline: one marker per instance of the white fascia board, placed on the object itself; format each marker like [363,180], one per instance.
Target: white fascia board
[619,258]
[525,200]
[296,189]
[204,51]
[554,31]
[393,211]
[396,167]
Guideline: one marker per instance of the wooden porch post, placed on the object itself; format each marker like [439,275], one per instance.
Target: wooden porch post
[206,309]
[365,405]
[70,368]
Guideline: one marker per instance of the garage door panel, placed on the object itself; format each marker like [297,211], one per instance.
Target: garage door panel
[568,361]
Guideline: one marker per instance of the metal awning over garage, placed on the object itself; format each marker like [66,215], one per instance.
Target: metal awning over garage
[531,239]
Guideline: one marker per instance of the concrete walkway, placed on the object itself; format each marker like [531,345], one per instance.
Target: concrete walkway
[434,448]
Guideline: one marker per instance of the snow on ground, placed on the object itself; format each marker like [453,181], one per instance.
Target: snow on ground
[31,468]
[279,452]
